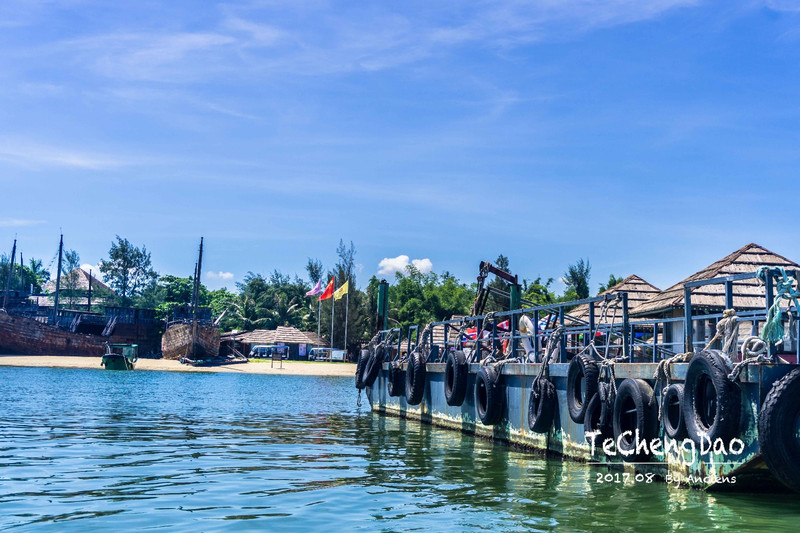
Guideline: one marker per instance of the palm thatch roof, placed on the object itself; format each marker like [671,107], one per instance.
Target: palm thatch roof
[639,291]
[747,294]
[78,279]
[283,334]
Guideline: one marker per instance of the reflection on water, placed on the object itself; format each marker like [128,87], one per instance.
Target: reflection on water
[92,450]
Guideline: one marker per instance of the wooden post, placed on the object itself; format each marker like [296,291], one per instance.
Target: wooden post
[10,273]
[89,300]
[58,280]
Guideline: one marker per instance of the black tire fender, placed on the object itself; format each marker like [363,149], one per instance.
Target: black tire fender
[672,412]
[581,385]
[634,412]
[373,366]
[597,419]
[541,405]
[456,372]
[711,402]
[395,383]
[489,395]
[778,440]
[415,379]
[363,356]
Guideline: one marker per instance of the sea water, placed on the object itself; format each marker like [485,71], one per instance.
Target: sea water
[94,450]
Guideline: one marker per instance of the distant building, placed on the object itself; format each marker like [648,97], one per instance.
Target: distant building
[299,342]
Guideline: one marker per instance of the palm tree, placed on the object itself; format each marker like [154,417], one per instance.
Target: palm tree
[576,278]
[246,311]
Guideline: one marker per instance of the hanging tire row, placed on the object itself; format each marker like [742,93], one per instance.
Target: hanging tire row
[707,405]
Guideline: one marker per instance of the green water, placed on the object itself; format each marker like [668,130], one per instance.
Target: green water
[90,450]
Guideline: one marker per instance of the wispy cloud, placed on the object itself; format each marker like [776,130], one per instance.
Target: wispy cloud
[18,222]
[317,38]
[220,275]
[38,155]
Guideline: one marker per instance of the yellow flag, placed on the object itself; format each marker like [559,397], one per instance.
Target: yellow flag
[341,291]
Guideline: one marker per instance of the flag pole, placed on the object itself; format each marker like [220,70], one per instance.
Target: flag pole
[346,309]
[333,310]
[319,317]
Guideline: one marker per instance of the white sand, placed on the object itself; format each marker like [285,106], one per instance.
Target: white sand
[294,368]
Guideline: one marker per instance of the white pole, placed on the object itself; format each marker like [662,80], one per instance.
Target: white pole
[333,310]
[319,315]
[346,308]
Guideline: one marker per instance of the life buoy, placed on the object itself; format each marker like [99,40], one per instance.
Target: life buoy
[581,385]
[672,412]
[456,372]
[415,379]
[541,405]
[778,440]
[526,327]
[634,414]
[489,395]
[711,401]
[362,361]
[598,418]
[373,366]
[395,383]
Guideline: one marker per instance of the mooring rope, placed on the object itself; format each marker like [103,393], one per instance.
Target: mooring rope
[773,326]
[750,356]
[727,329]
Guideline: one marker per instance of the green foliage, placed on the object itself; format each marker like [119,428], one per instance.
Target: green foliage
[418,298]
[576,279]
[24,277]
[612,281]
[539,292]
[128,270]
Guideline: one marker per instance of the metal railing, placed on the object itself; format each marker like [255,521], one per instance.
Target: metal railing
[640,340]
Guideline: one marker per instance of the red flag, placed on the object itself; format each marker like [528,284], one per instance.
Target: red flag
[328,293]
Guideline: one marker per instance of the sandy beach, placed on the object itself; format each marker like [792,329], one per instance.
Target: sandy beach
[296,368]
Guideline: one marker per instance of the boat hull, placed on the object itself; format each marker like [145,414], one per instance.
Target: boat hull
[26,336]
[741,471]
[177,342]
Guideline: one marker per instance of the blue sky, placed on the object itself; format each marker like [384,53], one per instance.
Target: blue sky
[651,137]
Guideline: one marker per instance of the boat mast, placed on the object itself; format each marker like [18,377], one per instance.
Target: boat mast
[196,299]
[58,280]
[89,302]
[10,273]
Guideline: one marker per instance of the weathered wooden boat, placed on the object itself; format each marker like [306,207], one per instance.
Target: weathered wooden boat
[27,336]
[684,399]
[27,329]
[192,337]
[185,340]
[120,356]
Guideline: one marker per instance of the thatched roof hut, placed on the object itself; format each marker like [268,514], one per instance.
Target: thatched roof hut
[78,280]
[282,334]
[639,291]
[747,294]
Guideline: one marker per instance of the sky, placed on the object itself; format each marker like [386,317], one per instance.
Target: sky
[652,138]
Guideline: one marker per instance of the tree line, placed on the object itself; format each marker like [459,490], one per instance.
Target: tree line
[265,301]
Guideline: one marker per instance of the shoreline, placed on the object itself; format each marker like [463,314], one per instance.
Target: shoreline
[290,368]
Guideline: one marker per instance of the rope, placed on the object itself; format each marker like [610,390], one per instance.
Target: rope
[663,374]
[551,355]
[727,328]
[773,327]
[750,356]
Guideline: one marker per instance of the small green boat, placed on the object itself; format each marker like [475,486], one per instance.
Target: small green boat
[120,356]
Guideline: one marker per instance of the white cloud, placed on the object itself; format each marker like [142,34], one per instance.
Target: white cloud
[423,265]
[94,268]
[391,265]
[18,222]
[219,275]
